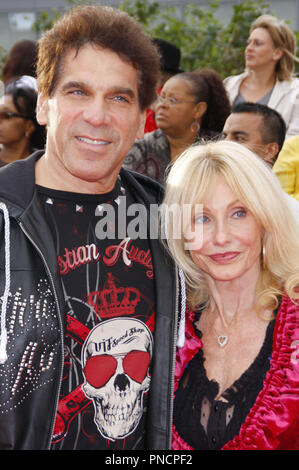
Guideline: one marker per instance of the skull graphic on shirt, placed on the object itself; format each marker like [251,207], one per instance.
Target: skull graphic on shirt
[115,359]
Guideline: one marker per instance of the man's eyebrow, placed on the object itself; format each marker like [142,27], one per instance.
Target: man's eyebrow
[123,91]
[239,132]
[73,84]
[113,90]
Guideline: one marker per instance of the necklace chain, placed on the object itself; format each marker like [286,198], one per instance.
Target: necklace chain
[222,339]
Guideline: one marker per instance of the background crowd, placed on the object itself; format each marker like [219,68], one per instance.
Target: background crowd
[190,105]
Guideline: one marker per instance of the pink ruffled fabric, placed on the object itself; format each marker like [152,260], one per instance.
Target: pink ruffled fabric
[178,443]
[273,421]
[185,354]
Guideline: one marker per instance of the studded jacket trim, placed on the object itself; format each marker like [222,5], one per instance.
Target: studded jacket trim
[35,320]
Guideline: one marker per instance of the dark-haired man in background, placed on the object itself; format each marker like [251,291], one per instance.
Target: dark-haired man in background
[262,130]
[257,126]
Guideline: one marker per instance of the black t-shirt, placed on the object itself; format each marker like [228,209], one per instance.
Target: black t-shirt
[109,292]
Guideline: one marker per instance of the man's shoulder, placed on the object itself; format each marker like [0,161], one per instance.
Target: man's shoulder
[17,180]
[144,187]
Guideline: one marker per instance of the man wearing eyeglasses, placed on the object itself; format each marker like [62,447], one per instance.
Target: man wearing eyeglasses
[89,312]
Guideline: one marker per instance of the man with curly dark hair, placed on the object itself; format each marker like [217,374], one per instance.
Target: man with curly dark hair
[85,291]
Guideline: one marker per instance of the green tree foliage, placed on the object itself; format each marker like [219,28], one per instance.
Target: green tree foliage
[47,18]
[3,58]
[204,40]
[144,11]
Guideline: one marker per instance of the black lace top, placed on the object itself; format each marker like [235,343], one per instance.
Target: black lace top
[206,423]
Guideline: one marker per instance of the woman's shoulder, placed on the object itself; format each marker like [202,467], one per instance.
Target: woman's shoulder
[287,85]
[232,85]
[151,140]
[153,136]
[232,80]
[295,81]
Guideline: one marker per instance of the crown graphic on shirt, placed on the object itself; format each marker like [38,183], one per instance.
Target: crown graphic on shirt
[113,301]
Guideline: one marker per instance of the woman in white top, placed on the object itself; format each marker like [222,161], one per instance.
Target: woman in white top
[268,78]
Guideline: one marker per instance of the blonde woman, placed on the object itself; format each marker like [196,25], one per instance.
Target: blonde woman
[237,375]
[268,78]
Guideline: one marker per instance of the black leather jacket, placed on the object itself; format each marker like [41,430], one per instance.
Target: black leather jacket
[32,309]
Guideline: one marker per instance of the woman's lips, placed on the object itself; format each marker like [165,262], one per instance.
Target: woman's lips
[226,257]
[160,116]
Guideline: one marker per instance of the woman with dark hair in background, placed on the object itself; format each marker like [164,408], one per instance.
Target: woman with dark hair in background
[20,133]
[191,106]
[21,60]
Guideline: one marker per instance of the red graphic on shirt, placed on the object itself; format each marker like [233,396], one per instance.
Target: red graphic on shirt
[129,253]
[77,257]
[115,360]
[76,401]
[113,301]
[135,365]
[81,255]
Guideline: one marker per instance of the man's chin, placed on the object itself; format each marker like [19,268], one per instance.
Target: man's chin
[94,178]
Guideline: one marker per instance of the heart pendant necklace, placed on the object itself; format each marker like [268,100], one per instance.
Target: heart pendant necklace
[222,340]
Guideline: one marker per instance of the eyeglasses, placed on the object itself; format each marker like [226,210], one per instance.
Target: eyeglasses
[99,369]
[172,101]
[9,115]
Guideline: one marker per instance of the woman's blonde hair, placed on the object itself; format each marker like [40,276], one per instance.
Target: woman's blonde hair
[283,38]
[192,177]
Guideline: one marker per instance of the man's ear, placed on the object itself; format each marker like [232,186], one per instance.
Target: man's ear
[140,130]
[270,151]
[42,108]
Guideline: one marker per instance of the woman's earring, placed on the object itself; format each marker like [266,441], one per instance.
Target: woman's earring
[264,257]
[195,127]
